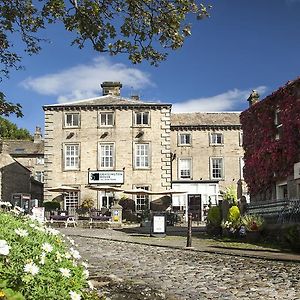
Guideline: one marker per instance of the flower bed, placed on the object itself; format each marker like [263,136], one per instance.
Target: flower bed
[36,263]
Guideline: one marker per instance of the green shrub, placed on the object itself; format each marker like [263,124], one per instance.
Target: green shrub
[51,205]
[87,203]
[36,263]
[233,214]
[214,216]
[291,236]
[252,222]
[231,195]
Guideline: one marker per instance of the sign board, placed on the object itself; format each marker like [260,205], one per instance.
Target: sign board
[38,213]
[297,170]
[158,224]
[106,177]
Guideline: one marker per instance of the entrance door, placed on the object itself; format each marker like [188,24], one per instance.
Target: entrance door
[194,206]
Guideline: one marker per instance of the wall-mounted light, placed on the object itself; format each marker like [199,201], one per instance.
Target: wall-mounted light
[70,135]
[103,135]
[140,134]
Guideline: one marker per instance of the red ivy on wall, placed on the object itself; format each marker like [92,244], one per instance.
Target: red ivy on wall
[267,159]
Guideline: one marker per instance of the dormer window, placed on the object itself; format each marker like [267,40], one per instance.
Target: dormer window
[71,119]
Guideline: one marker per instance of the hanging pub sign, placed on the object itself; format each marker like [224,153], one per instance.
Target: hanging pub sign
[106,177]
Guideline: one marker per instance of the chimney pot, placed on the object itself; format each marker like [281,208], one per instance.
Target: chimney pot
[111,88]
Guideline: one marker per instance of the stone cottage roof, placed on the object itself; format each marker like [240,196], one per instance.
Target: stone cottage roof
[22,148]
[104,101]
[206,119]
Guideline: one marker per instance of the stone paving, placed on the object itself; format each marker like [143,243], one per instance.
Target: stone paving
[182,274]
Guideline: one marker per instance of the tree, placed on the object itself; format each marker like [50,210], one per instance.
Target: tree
[9,130]
[144,29]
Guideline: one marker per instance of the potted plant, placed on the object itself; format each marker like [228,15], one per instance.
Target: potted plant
[254,225]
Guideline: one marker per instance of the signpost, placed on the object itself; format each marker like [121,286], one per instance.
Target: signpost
[158,224]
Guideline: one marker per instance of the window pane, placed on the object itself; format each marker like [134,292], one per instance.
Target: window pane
[71,156]
[106,155]
[217,168]
[142,155]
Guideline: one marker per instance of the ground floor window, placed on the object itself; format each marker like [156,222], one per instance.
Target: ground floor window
[142,201]
[71,200]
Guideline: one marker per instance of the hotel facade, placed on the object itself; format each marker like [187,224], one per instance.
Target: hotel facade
[128,143]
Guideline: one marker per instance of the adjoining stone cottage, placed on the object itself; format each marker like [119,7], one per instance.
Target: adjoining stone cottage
[271,130]
[135,144]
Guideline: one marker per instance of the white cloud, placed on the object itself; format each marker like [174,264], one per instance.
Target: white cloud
[230,100]
[83,81]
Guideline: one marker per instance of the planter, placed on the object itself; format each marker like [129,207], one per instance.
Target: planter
[253,236]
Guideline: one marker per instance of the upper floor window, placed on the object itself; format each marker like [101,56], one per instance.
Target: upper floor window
[216,138]
[39,176]
[216,168]
[142,118]
[107,155]
[185,168]
[242,164]
[278,124]
[71,157]
[106,119]
[241,138]
[71,119]
[184,139]
[40,160]
[142,156]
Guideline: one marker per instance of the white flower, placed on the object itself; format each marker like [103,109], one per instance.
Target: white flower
[85,264]
[21,232]
[75,253]
[65,272]
[74,296]
[31,268]
[43,257]
[32,225]
[58,257]
[86,273]
[52,231]
[47,247]
[4,248]
[91,286]
[68,255]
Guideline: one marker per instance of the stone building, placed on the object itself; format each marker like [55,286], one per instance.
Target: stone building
[115,141]
[28,153]
[207,157]
[107,140]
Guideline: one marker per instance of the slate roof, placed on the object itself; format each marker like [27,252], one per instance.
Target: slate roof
[108,100]
[21,148]
[210,119]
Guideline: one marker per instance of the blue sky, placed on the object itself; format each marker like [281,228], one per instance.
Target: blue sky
[244,45]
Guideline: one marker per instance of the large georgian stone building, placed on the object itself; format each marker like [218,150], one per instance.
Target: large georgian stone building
[129,143]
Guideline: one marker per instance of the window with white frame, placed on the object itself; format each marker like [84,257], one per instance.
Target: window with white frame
[241,138]
[71,119]
[217,167]
[106,152]
[142,118]
[185,168]
[184,139]
[242,164]
[40,160]
[278,124]
[71,157]
[106,119]
[71,200]
[216,138]
[39,176]
[142,159]
[142,201]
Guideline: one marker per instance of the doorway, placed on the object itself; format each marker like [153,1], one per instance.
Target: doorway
[194,206]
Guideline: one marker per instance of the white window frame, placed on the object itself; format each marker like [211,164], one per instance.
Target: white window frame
[212,159]
[278,124]
[142,114]
[142,200]
[74,156]
[39,176]
[184,139]
[40,160]
[185,173]
[142,160]
[241,136]
[71,200]
[71,124]
[111,157]
[242,164]
[214,138]
[104,115]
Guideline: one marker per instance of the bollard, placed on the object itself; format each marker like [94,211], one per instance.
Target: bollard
[189,233]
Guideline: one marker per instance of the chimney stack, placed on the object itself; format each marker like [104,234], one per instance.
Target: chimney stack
[111,88]
[37,138]
[253,98]
[135,97]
